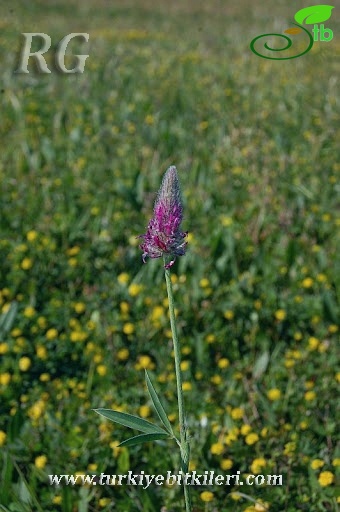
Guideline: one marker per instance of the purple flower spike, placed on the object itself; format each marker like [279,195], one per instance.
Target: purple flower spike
[163,235]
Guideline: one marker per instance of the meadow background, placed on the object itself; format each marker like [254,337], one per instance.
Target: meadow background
[256,144]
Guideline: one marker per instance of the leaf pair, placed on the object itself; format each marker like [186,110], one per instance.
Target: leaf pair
[151,431]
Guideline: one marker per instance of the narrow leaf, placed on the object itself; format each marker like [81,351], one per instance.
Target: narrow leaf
[260,365]
[130,421]
[7,319]
[143,438]
[158,406]
[329,307]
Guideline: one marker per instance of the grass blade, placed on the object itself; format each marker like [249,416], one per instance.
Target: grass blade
[7,319]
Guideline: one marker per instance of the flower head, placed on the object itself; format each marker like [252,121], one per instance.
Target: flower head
[163,235]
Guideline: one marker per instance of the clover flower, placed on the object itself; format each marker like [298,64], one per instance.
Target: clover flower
[163,234]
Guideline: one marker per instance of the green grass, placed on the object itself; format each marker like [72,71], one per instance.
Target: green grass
[256,146]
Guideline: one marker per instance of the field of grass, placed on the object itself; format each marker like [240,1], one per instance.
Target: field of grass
[256,145]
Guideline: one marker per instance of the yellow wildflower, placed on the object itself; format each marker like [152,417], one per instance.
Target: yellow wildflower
[280,315]
[204,283]
[3,348]
[313,343]
[226,464]
[26,263]
[79,307]
[24,363]
[252,438]
[31,235]
[217,448]
[128,328]
[310,396]
[185,365]
[134,289]
[51,334]
[226,221]
[102,370]
[317,464]
[3,436]
[29,312]
[223,363]
[41,352]
[36,410]
[216,379]
[187,386]
[326,478]
[104,502]
[229,314]
[307,282]
[40,461]
[206,496]
[245,429]
[123,278]
[157,313]
[257,465]
[237,413]
[73,251]
[5,378]
[123,354]
[144,362]
[274,394]
[144,411]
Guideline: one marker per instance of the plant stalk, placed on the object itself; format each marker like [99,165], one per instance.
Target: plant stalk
[185,449]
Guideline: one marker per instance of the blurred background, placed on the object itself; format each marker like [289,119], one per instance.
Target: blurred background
[255,142]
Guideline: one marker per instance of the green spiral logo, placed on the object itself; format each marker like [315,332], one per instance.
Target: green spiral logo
[288,44]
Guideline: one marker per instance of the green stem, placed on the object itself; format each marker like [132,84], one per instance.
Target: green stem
[185,453]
